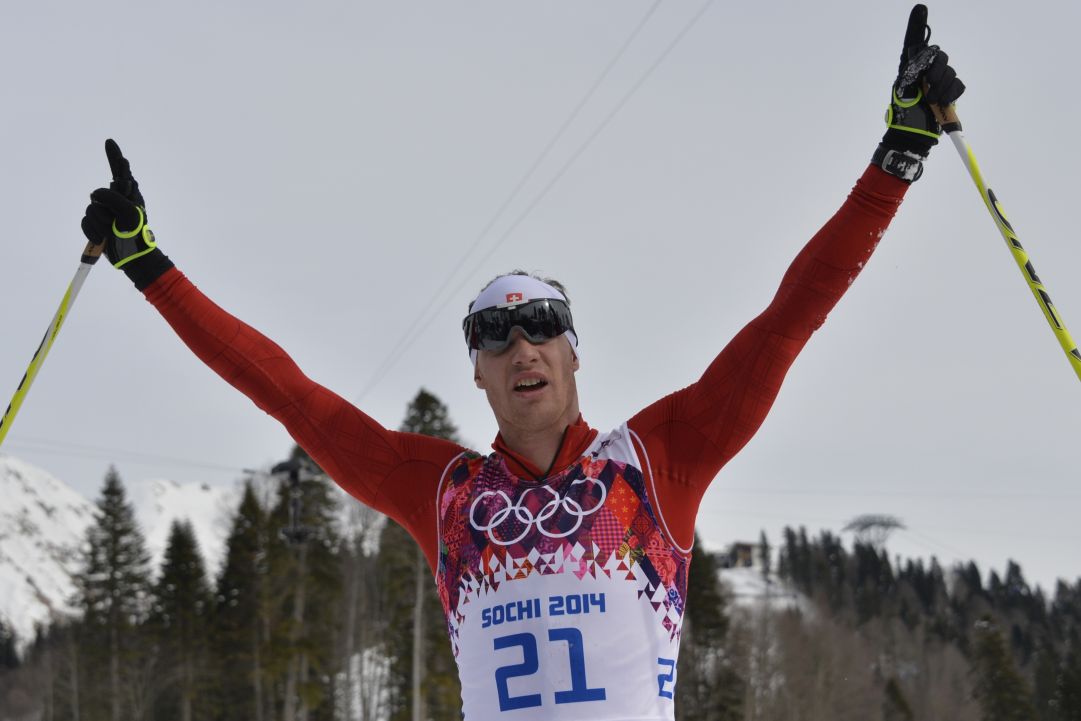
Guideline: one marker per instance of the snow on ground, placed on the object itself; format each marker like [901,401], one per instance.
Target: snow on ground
[748,589]
[42,522]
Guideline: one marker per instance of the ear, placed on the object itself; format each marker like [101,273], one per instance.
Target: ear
[477,379]
[575,362]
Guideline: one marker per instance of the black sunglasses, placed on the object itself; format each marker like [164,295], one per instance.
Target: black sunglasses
[540,320]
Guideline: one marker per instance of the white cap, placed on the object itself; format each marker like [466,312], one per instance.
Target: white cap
[508,291]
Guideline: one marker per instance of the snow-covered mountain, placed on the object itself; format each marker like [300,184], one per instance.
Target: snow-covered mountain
[209,509]
[43,521]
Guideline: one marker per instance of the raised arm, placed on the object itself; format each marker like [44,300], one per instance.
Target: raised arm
[396,473]
[690,435]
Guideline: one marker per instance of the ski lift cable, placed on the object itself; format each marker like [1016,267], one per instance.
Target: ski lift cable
[947,555]
[917,537]
[404,340]
[429,317]
[75,450]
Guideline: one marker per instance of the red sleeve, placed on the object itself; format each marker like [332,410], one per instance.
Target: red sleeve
[691,434]
[395,473]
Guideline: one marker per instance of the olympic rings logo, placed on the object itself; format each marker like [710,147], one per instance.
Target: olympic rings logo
[528,519]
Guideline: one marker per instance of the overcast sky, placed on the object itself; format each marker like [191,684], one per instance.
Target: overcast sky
[322,169]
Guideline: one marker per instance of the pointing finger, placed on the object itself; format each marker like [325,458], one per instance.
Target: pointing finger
[916,35]
[117,162]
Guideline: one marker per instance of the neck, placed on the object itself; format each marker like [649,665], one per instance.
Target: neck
[539,448]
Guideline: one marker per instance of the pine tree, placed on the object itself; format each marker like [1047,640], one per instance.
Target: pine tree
[873,582]
[13,699]
[305,590]
[1045,683]
[240,620]
[764,556]
[396,567]
[786,564]
[1000,689]
[112,592]
[361,694]
[9,657]
[709,689]
[803,566]
[895,706]
[969,603]
[423,679]
[427,416]
[1067,696]
[35,690]
[182,604]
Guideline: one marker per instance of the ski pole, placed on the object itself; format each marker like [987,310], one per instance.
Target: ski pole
[91,253]
[951,124]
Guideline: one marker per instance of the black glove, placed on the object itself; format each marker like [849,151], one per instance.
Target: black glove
[116,216]
[911,126]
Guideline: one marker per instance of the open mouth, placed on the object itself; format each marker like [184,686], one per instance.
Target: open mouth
[528,385]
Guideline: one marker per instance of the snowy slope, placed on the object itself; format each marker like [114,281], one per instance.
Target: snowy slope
[42,522]
[159,502]
[748,589]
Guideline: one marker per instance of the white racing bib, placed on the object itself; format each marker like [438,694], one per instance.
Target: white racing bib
[564,599]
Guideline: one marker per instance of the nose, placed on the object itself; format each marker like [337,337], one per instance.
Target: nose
[521,350]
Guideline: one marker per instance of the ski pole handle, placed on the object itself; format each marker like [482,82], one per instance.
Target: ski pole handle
[92,252]
[946,117]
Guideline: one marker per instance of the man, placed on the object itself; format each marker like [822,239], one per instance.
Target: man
[561,558]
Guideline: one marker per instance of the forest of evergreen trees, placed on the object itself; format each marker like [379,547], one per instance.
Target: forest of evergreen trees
[943,644]
[309,618]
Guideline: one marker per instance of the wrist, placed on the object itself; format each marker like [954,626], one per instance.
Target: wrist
[904,164]
[906,141]
[145,269]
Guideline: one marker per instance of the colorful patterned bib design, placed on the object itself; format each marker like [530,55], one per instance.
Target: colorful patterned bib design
[564,598]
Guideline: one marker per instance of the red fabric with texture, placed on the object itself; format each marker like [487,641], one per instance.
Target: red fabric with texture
[396,473]
[692,433]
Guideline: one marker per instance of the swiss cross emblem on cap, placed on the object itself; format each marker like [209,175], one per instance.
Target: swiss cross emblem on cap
[514,297]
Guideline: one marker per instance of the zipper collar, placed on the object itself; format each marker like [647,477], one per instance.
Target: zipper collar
[577,437]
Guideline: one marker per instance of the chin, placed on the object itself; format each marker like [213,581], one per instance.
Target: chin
[535,417]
